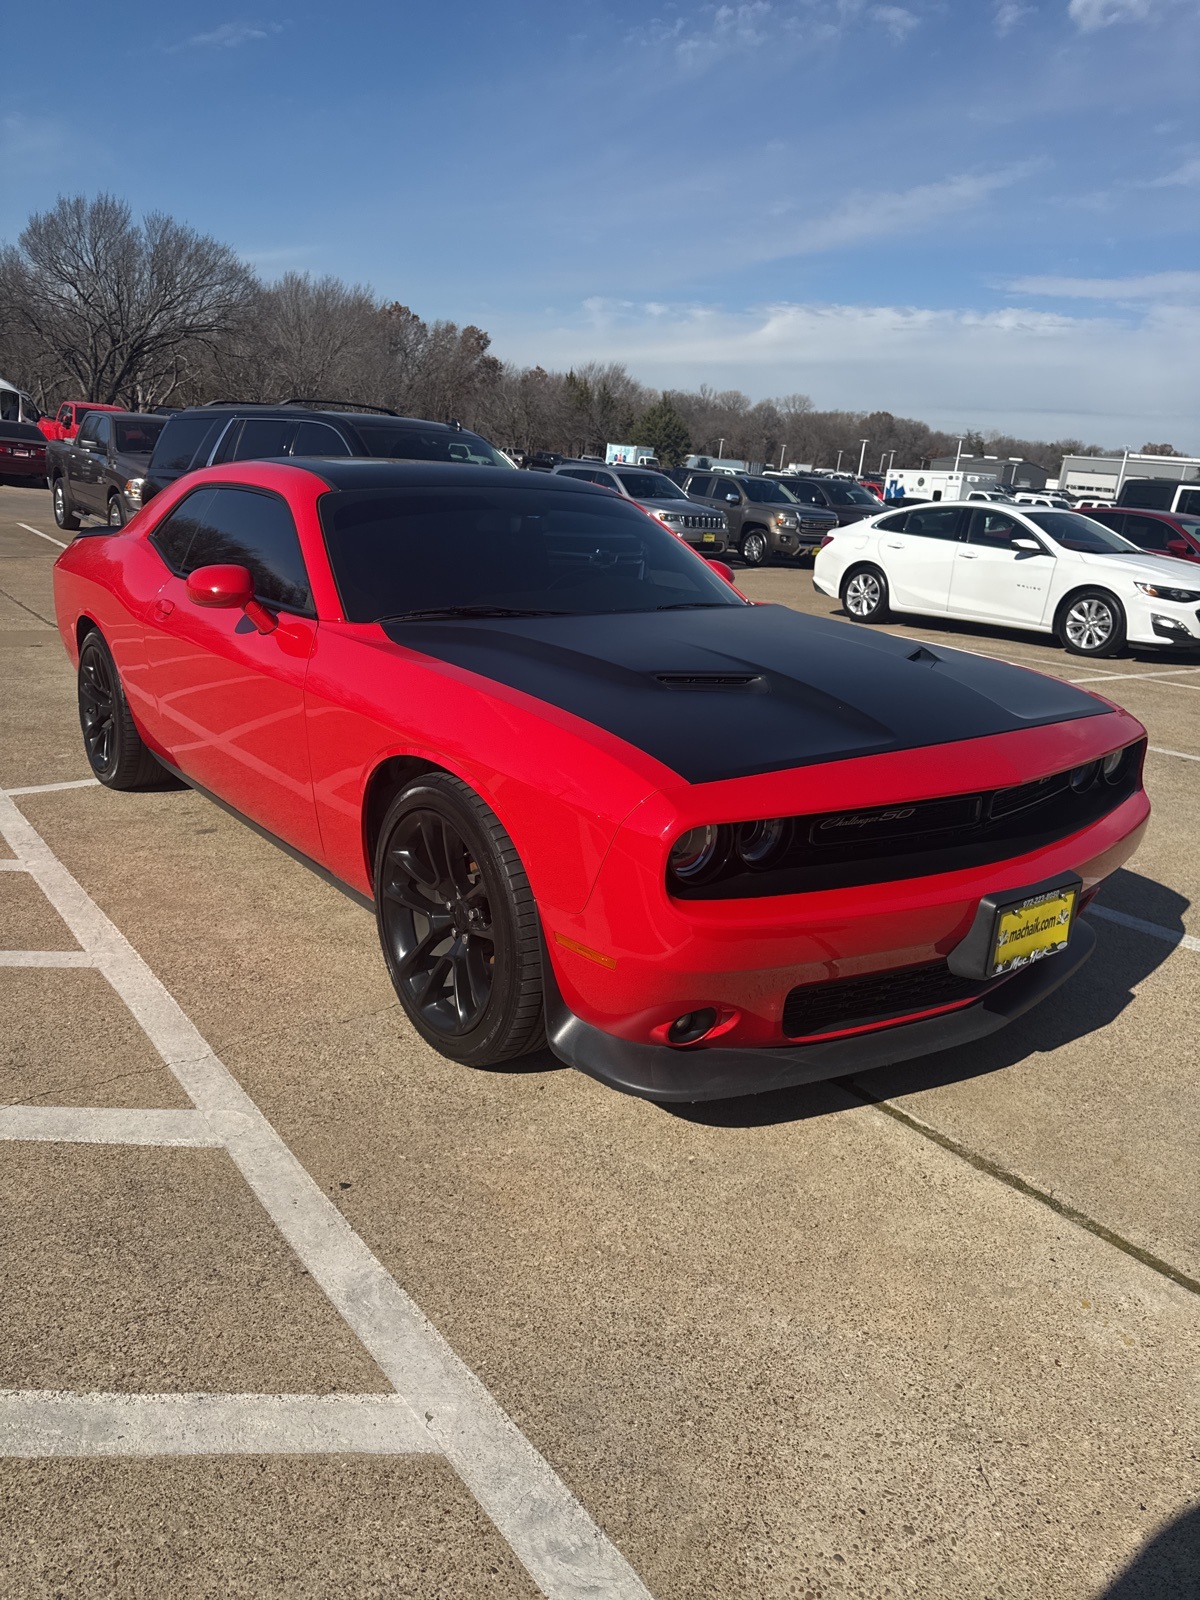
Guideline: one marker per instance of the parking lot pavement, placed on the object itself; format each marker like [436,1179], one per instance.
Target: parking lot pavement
[805,1344]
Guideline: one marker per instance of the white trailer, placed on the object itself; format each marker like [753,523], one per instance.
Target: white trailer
[630,455]
[922,483]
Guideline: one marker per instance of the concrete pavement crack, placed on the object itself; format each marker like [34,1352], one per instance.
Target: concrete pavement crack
[1030,1190]
[24,607]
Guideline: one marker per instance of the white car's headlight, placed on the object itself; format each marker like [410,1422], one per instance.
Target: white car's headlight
[1158,591]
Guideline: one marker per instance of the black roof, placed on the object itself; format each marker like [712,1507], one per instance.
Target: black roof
[291,410]
[366,472]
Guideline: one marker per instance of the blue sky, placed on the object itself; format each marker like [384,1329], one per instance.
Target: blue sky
[985,213]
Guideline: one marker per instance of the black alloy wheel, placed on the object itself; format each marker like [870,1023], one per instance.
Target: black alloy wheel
[458,924]
[865,595]
[111,741]
[64,514]
[116,512]
[754,547]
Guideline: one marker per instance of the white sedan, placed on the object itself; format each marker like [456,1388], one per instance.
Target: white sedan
[1056,572]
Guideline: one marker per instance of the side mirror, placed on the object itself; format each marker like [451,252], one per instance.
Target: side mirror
[1178,547]
[220,586]
[723,571]
[229,588]
[733,498]
[1031,545]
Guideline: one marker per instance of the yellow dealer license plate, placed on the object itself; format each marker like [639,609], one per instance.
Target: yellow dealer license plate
[1040,926]
[710,538]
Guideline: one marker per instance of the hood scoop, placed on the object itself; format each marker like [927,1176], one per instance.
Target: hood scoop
[711,680]
[925,658]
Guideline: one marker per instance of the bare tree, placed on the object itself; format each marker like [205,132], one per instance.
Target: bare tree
[120,308]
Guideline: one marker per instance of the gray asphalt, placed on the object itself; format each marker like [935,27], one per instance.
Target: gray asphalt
[805,1345]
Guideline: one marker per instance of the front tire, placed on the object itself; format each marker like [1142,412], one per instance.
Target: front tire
[1092,623]
[114,747]
[458,924]
[64,512]
[116,511]
[754,547]
[864,595]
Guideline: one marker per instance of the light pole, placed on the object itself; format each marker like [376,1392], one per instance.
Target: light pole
[891,458]
[958,453]
[838,468]
[720,449]
[862,455]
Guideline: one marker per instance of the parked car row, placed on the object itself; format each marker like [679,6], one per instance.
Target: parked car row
[1057,572]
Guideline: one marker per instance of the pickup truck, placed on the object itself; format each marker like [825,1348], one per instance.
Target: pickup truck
[88,473]
[64,424]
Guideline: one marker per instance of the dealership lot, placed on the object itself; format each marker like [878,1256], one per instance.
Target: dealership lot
[932,1331]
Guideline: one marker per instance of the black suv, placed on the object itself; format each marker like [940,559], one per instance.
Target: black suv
[232,430]
[849,502]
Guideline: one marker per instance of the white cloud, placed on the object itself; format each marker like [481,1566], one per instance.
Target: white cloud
[1154,287]
[1009,13]
[1037,374]
[711,33]
[228,36]
[1185,176]
[872,216]
[1088,15]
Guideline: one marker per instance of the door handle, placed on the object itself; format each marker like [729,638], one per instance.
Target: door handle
[163,608]
[895,544]
[968,555]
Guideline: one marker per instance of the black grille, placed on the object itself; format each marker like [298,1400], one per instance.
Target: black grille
[816,1008]
[913,839]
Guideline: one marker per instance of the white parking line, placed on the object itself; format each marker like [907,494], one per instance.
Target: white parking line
[52,788]
[1185,941]
[59,542]
[548,1530]
[12,866]
[1160,750]
[101,1125]
[1110,677]
[47,958]
[53,1423]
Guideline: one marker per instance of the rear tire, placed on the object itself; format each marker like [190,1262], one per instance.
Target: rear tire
[115,751]
[458,924]
[864,595]
[1092,623]
[64,512]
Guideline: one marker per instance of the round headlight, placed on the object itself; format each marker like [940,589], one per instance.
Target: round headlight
[1111,766]
[1082,778]
[757,842]
[695,852]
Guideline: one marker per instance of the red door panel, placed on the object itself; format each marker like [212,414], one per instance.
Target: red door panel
[230,708]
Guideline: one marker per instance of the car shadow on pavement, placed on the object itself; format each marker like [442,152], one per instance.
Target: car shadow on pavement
[1168,1568]
[1089,1001]
[985,633]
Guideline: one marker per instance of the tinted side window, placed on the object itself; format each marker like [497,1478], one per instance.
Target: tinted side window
[934,524]
[1148,532]
[183,439]
[319,439]
[103,429]
[700,486]
[584,474]
[87,428]
[250,529]
[808,493]
[262,437]
[995,528]
[175,534]
[894,524]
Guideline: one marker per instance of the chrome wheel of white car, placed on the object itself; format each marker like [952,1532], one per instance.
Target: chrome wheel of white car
[865,595]
[1092,624]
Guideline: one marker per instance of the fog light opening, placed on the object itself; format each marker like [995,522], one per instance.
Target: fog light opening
[692,1026]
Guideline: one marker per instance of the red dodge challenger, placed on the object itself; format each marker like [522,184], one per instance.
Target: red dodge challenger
[596,798]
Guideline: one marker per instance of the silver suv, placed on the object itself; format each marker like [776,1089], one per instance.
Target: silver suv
[703,527]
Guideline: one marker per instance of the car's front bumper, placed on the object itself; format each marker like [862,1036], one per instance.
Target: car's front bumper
[662,1072]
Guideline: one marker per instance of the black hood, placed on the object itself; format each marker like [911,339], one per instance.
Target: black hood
[734,690]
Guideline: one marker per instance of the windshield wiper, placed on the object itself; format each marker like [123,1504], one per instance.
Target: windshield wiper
[434,612]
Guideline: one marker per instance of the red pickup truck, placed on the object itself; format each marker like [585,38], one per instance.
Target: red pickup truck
[64,424]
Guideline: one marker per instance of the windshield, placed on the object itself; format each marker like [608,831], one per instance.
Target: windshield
[1190,525]
[650,486]
[393,441]
[138,438]
[1076,532]
[398,551]
[766,492]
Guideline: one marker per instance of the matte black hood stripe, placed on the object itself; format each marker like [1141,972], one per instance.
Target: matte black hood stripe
[812,690]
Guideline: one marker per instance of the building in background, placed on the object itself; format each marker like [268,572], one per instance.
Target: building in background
[1101,477]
